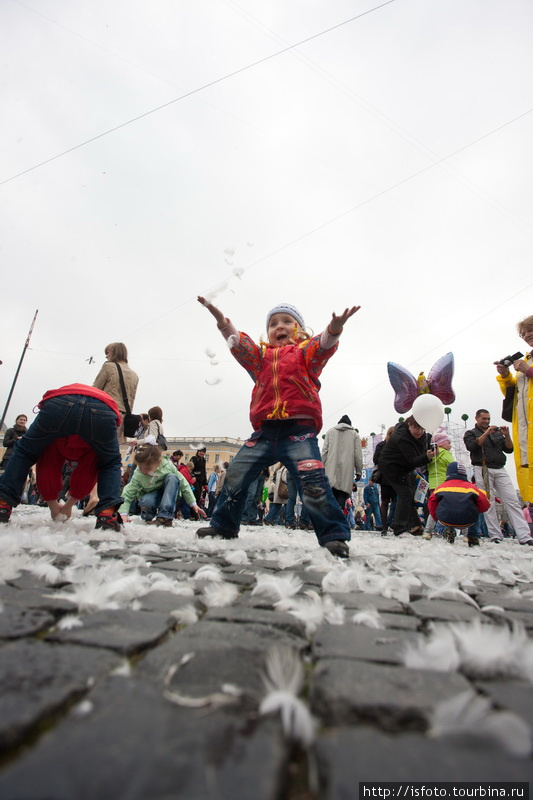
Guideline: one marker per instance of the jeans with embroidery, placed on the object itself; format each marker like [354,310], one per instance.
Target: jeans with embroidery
[294,443]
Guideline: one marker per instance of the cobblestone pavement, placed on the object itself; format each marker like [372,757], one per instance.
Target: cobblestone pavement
[153,665]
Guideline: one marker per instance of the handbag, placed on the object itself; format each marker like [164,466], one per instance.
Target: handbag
[507,406]
[131,421]
[161,440]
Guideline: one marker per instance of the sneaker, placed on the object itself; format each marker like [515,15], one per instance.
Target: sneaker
[5,511]
[450,536]
[427,535]
[203,532]
[163,522]
[473,541]
[338,547]
[528,541]
[109,520]
[495,541]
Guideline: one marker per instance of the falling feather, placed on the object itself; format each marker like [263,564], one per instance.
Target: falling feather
[229,262]
[214,362]
[470,720]
[213,381]
[250,244]
[238,272]
[229,251]
[210,353]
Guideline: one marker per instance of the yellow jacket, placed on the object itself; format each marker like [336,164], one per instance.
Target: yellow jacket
[524,475]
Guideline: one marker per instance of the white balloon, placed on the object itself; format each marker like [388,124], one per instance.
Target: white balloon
[428,411]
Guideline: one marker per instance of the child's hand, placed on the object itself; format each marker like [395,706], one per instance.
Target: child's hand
[338,321]
[216,312]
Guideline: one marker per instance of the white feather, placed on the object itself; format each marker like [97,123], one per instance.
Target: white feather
[277,587]
[186,615]
[237,557]
[229,251]
[453,594]
[68,622]
[218,595]
[489,651]
[283,681]
[469,718]
[369,617]
[213,381]
[210,353]
[439,652]
[238,272]
[209,572]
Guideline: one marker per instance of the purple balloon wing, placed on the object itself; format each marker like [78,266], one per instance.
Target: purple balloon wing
[404,385]
[440,379]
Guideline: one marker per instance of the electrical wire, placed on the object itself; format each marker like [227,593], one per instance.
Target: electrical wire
[196,91]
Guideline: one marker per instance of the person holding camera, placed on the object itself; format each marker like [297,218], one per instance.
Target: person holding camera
[488,445]
[518,406]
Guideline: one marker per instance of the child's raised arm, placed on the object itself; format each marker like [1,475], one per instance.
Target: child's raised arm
[216,312]
[338,321]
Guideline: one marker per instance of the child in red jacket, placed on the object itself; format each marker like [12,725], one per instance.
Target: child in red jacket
[75,423]
[456,503]
[286,416]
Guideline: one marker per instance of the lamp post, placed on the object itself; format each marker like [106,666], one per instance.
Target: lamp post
[464,417]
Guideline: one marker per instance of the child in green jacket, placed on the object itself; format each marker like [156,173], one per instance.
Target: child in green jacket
[156,484]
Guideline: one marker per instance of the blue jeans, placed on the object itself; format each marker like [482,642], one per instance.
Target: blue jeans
[62,416]
[161,501]
[290,518]
[473,531]
[274,513]
[250,512]
[373,511]
[294,443]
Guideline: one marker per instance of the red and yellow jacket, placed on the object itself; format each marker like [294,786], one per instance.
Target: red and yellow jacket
[286,378]
[457,503]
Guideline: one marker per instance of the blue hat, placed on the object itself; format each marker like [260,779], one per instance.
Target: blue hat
[286,308]
[456,471]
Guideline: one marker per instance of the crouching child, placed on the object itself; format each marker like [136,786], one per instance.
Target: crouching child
[157,485]
[457,503]
[76,423]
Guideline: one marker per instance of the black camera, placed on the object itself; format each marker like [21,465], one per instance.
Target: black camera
[508,360]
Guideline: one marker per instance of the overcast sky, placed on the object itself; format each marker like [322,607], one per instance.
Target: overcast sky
[386,163]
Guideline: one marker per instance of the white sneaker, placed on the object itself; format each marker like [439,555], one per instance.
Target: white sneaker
[427,535]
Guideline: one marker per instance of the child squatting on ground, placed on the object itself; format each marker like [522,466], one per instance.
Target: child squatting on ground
[78,423]
[456,503]
[157,485]
[286,417]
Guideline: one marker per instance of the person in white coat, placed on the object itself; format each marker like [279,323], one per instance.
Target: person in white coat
[342,455]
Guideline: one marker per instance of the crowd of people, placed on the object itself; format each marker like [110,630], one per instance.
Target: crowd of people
[280,475]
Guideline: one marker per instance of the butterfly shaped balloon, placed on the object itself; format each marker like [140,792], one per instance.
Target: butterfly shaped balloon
[407,388]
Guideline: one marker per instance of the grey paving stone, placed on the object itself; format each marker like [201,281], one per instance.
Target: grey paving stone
[444,610]
[252,636]
[363,600]
[206,668]
[401,621]
[16,622]
[135,745]
[37,678]
[36,598]
[514,696]
[124,631]
[165,602]
[505,600]
[350,755]
[393,698]
[360,642]
[277,619]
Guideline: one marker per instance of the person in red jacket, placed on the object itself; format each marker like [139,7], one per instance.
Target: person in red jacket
[76,423]
[286,416]
[456,503]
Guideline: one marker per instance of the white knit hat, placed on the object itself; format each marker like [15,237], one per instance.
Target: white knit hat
[286,308]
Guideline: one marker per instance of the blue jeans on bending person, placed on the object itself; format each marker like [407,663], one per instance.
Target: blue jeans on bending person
[161,502]
[294,443]
[66,415]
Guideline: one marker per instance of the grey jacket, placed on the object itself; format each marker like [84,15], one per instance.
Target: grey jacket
[342,455]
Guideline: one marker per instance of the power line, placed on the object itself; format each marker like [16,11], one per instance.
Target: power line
[196,91]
